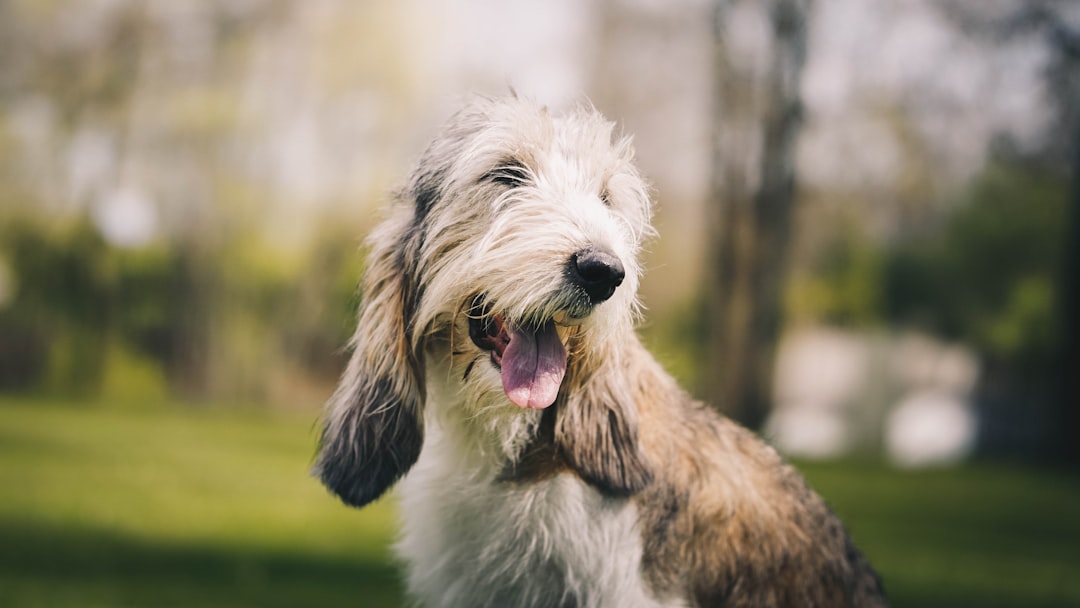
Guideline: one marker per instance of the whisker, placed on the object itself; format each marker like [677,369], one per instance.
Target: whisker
[469,368]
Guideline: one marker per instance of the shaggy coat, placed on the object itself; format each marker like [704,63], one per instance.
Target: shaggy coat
[545,458]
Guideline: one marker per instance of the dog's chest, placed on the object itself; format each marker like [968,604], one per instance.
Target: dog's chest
[473,541]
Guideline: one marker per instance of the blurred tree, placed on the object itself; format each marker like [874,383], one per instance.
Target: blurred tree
[988,278]
[759,52]
[842,284]
[177,109]
[1068,407]
[56,328]
[1065,81]
[1055,23]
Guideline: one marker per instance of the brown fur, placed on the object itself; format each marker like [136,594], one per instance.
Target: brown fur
[723,519]
[726,520]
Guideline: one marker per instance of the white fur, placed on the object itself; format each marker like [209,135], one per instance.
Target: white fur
[472,541]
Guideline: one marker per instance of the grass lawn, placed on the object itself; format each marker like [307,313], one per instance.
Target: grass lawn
[974,536]
[189,506]
[179,506]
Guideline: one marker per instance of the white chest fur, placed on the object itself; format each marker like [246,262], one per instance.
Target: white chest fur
[470,540]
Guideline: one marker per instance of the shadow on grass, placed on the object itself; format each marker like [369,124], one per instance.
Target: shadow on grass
[961,596]
[57,567]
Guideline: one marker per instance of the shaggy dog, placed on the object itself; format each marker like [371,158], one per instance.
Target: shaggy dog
[550,460]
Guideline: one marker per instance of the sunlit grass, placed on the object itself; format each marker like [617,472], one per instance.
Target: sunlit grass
[200,506]
[179,506]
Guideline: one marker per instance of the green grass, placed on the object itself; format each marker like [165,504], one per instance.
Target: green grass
[183,506]
[178,507]
[988,536]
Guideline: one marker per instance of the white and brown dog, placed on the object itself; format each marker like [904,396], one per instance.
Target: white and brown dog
[550,460]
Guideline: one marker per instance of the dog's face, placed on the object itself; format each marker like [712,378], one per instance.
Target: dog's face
[530,238]
[511,255]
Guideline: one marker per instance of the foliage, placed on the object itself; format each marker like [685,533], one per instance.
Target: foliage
[845,285]
[89,319]
[988,277]
[59,308]
[985,274]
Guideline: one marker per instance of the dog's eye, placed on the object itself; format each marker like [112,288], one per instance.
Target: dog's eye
[511,174]
[605,197]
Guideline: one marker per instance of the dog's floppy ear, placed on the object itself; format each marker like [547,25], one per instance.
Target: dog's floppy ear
[374,423]
[596,432]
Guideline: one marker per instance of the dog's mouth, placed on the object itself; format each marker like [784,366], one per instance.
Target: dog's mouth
[530,356]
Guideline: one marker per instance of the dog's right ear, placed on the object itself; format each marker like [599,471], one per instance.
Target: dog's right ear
[373,430]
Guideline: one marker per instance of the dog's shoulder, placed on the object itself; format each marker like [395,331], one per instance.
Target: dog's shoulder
[731,523]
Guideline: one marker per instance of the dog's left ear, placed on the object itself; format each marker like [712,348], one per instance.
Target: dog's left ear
[374,423]
[596,432]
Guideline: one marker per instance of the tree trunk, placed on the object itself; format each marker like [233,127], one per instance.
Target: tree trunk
[1067,406]
[757,117]
[1066,416]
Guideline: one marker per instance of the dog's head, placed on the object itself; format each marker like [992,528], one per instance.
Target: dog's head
[510,264]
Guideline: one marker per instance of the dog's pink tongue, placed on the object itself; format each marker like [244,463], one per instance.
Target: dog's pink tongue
[533,366]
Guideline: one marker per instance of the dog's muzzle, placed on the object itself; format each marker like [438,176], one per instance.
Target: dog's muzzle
[529,354]
[530,357]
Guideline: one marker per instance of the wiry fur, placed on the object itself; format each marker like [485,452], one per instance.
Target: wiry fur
[624,492]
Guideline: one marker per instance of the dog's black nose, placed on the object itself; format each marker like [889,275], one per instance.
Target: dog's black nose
[596,271]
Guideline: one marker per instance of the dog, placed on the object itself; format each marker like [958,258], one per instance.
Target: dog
[544,457]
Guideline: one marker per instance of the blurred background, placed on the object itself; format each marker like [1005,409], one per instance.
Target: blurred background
[868,252]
